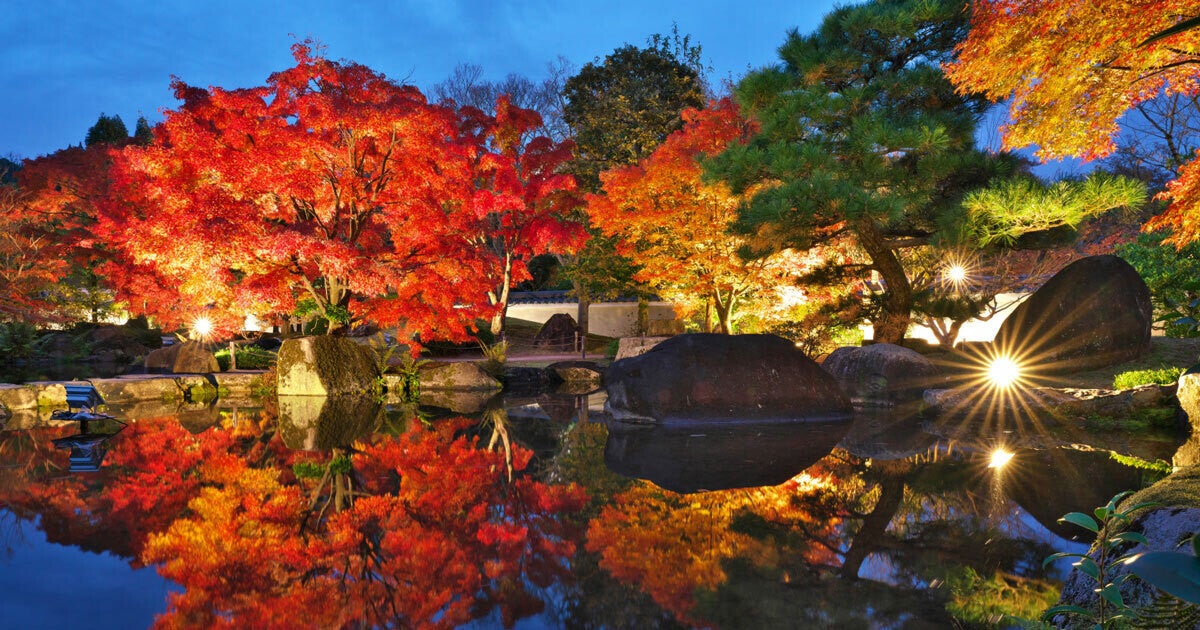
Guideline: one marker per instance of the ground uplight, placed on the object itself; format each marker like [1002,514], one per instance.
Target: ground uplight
[1003,372]
[202,327]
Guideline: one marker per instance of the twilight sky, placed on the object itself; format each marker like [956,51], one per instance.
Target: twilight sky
[66,61]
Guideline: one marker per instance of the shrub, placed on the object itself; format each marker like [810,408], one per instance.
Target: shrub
[1161,376]
[17,339]
[248,358]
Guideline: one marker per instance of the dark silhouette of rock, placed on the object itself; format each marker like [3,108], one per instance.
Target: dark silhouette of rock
[1093,313]
[195,358]
[559,332]
[719,455]
[121,342]
[161,360]
[709,376]
[881,372]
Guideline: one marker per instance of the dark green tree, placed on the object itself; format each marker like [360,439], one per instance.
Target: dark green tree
[619,110]
[141,132]
[107,130]
[862,136]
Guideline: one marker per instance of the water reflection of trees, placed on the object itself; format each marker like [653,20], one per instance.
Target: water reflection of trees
[425,528]
[849,541]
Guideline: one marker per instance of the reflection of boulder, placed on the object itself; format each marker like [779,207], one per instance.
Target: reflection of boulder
[881,372]
[558,407]
[1093,313]
[717,456]
[313,423]
[709,376]
[887,434]
[1050,483]
[325,366]
[198,418]
[456,401]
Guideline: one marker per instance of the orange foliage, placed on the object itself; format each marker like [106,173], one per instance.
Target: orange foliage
[673,545]
[675,225]
[1072,68]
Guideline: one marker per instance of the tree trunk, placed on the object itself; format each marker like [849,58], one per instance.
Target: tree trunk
[643,316]
[502,300]
[875,524]
[892,324]
[581,315]
[723,308]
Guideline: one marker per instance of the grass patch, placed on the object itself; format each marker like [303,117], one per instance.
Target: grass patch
[248,358]
[1148,420]
[1164,352]
[999,601]
[1161,376]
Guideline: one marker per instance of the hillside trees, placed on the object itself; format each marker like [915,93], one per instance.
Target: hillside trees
[862,136]
[1072,68]
[331,188]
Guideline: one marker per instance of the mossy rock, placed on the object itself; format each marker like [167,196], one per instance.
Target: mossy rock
[325,366]
[458,376]
[1179,489]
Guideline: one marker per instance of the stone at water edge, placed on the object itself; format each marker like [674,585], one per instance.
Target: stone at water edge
[709,376]
[1093,313]
[881,372]
[162,360]
[195,358]
[1187,393]
[456,375]
[325,366]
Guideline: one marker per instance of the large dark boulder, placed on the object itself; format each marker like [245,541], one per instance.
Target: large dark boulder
[1093,313]
[559,332]
[194,357]
[882,372]
[709,376]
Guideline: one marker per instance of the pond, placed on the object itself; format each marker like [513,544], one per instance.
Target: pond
[536,513]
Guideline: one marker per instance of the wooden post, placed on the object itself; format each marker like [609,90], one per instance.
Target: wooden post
[232,356]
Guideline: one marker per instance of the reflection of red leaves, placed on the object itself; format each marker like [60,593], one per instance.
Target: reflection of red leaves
[443,540]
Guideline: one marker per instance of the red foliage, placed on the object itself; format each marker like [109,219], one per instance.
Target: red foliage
[330,183]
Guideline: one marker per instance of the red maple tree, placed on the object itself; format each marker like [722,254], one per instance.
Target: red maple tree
[523,198]
[331,190]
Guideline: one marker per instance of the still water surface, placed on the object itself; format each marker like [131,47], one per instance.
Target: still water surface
[535,512]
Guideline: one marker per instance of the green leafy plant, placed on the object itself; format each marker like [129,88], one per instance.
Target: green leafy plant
[1107,525]
[1002,600]
[1173,276]
[1174,572]
[494,357]
[409,370]
[248,358]
[1162,376]
[17,339]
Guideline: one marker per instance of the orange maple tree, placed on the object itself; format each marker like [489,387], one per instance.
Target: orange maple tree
[330,190]
[676,226]
[1072,68]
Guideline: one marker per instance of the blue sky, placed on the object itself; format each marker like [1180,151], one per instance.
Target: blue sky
[66,61]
